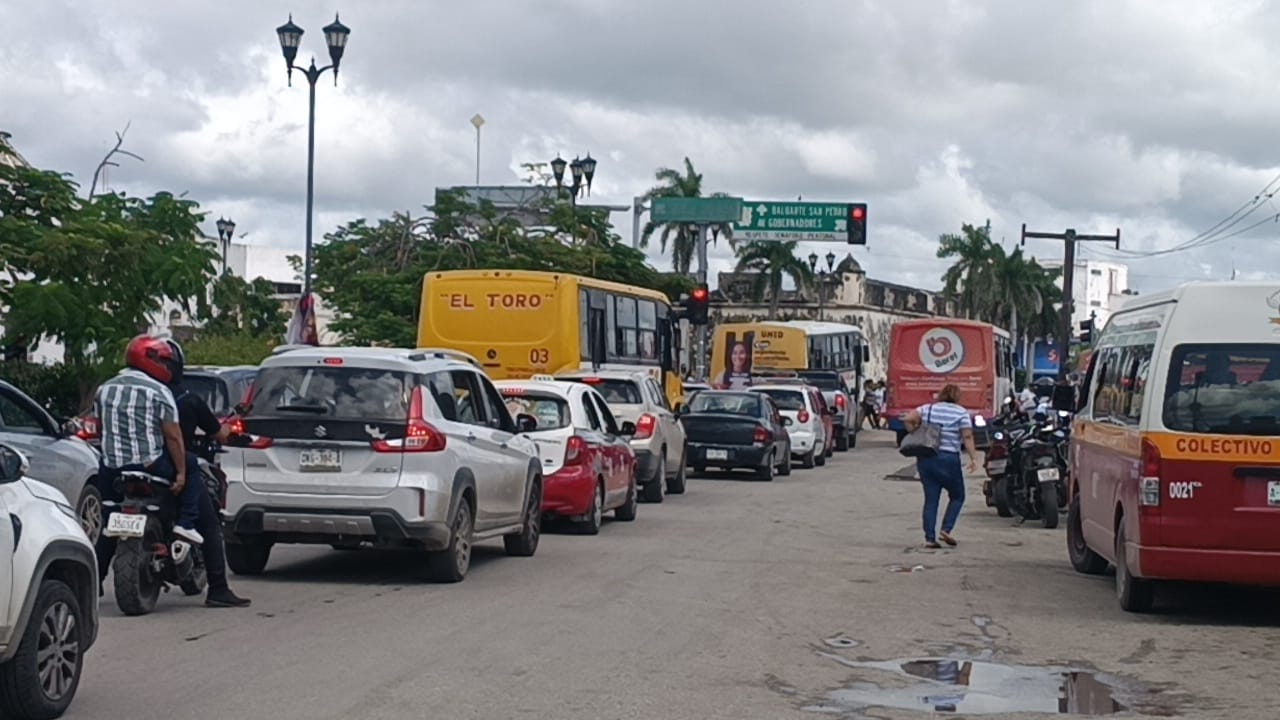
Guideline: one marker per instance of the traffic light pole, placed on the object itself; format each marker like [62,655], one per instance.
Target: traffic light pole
[1069,238]
[700,362]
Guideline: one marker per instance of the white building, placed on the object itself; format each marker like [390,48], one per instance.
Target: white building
[1098,289]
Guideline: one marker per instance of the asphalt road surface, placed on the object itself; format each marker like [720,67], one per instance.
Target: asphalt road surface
[799,598]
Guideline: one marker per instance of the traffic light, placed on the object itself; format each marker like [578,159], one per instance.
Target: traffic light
[1086,332]
[697,304]
[858,224]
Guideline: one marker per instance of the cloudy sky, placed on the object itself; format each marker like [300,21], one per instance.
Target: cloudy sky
[1152,116]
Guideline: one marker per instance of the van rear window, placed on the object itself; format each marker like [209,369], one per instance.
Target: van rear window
[1224,388]
[346,393]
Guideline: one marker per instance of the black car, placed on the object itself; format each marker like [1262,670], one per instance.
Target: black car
[221,387]
[733,430]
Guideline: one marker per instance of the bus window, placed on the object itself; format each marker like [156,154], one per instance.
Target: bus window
[584,326]
[648,322]
[626,342]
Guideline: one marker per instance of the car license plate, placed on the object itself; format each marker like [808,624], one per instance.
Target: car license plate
[128,526]
[320,460]
[1273,493]
[717,454]
[1047,474]
[996,467]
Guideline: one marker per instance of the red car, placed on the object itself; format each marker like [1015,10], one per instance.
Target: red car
[588,465]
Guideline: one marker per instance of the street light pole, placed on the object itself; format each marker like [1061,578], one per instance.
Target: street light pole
[290,35]
[581,174]
[226,230]
[477,121]
[822,279]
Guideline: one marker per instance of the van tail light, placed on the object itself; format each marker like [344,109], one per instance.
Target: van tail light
[257,442]
[1149,484]
[761,436]
[419,435]
[575,451]
[645,426]
[802,417]
[840,401]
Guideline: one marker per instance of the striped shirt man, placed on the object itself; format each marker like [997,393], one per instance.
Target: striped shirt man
[951,418]
[132,408]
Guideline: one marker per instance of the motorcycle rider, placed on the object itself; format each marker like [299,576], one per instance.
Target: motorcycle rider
[142,430]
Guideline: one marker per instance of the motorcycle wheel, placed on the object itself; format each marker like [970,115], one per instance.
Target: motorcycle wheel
[1049,505]
[1000,496]
[198,581]
[137,587]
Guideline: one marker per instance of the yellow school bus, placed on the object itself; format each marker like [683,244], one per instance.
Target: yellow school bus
[521,323]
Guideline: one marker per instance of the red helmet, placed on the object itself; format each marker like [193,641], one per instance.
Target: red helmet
[155,357]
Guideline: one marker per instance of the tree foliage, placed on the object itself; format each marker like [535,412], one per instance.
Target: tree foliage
[371,272]
[238,307]
[681,237]
[771,262]
[235,349]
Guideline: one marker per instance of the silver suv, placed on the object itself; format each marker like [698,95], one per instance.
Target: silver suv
[659,443]
[386,447]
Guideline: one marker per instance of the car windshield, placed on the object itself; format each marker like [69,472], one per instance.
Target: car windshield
[785,399]
[210,389]
[335,392]
[615,392]
[1224,389]
[822,380]
[731,403]
[551,411]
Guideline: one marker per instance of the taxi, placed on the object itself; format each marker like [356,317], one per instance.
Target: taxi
[588,466]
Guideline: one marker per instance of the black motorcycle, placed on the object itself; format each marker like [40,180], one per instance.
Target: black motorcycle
[1034,485]
[1004,428]
[149,558]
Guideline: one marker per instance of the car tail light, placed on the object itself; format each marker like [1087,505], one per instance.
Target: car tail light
[761,436]
[419,435]
[575,451]
[1149,484]
[802,417]
[89,428]
[645,426]
[840,401]
[236,426]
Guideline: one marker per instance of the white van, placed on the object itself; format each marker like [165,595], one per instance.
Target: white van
[1175,453]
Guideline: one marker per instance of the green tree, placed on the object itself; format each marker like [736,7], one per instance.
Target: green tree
[238,349]
[89,272]
[772,262]
[681,237]
[239,307]
[968,281]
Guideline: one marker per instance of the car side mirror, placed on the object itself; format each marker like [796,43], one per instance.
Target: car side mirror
[526,423]
[684,410]
[628,428]
[786,421]
[13,465]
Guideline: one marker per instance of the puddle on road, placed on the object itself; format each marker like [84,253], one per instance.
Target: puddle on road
[978,688]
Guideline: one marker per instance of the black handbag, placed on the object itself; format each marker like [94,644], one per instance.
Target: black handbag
[925,440]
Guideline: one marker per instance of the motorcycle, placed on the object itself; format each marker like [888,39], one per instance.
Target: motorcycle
[149,558]
[1009,423]
[1034,484]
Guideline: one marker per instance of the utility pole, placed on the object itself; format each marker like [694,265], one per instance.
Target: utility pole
[1070,238]
[637,208]
[701,360]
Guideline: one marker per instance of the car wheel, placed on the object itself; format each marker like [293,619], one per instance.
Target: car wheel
[451,564]
[525,542]
[766,473]
[807,461]
[820,458]
[627,512]
[595,517]
[1135,594]
[676,485]
[785,469]
[248,557]
[851,439]
[1083,559]
[41,679]
[89,511]
[842,440]
[653,489]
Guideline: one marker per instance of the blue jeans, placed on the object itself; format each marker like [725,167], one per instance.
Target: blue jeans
[938,473]
[189,498]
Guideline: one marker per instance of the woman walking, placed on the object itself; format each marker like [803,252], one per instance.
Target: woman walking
[942,471]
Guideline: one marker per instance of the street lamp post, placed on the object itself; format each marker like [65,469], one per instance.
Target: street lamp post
[581,173]
[335,36]
[226,229]
[822,278]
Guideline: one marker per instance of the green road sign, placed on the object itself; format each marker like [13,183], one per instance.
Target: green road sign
[696,210]
[771,220]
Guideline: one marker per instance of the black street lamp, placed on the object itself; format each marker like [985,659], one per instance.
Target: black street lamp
[335,36]
[581,173]
[226,229]
[822,278]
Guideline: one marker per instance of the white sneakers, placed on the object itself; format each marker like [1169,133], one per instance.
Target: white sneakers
[188,534]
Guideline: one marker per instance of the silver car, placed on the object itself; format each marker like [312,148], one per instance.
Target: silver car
[57,457]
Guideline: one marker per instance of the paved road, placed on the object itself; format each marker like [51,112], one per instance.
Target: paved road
[738,600]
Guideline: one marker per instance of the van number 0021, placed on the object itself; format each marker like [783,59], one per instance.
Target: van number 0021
[1183,490]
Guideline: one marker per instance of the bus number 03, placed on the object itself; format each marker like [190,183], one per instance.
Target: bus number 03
[539,356]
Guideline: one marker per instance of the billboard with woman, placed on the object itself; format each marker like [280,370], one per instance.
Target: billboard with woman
[733,361]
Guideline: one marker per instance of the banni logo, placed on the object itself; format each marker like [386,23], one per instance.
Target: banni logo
[941,350]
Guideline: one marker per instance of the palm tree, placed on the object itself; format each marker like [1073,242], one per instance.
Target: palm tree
[682,237]
[968,280]
[771,262]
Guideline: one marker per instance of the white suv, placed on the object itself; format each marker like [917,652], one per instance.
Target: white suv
[808,431]
[659,442]
[48,595]
[389,447]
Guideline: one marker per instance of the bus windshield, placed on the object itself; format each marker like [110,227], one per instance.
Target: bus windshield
[1224,389]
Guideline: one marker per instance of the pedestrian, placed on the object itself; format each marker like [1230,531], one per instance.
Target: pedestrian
[942,471]
[870,411]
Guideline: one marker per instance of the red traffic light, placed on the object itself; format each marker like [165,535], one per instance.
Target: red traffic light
[858,212]
[700,294]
